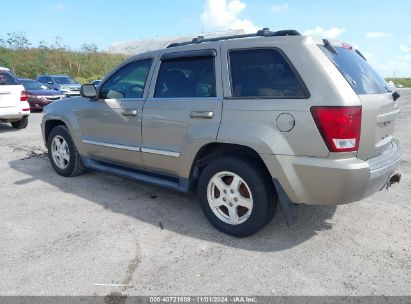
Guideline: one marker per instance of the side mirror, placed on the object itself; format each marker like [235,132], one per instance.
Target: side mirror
[88,91]
[50,82]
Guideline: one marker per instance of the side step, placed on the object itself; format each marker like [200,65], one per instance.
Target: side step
[170,182]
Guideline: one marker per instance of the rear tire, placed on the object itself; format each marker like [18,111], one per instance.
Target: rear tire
[63,154]
[20,124]
[237,196]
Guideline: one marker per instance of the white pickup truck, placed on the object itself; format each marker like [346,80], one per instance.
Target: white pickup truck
[14,107]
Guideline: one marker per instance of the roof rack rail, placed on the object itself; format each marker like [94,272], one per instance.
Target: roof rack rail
[265,32]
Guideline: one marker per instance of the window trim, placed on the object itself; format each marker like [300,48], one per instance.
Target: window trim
[188,54]
[190,57]
[114,72]
[307,94]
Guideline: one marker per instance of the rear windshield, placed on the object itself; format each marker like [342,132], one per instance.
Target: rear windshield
[359,74]
[7,78]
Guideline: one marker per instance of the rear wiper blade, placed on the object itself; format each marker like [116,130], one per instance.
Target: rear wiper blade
[329,46]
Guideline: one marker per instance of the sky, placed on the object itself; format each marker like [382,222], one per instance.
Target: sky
[381,30]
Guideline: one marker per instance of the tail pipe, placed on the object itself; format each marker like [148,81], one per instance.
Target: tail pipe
[394,179]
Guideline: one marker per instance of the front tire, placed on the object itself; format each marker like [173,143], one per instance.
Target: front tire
[63,154]
[20,124]
[237,196]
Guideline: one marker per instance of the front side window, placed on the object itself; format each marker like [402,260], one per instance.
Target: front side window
[263,73]
[186,77]
[128,82]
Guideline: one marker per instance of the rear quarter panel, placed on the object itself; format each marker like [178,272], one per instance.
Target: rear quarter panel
[252,122]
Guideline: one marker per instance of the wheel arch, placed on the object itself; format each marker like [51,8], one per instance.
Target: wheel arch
[211,150]
[50,125]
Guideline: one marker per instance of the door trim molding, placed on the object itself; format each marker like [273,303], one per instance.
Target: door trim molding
[109,145]
[161,152]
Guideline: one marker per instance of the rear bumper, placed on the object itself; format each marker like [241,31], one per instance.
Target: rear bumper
[316,181]
[15,113]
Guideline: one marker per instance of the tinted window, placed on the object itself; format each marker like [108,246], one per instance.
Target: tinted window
[128,82]
[186,77]
[263,73]
[7,78]
[359,74]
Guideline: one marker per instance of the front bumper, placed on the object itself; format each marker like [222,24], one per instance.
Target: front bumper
[318,181]
[71,93]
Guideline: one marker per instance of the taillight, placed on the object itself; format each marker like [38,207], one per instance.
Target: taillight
[23,96]
[340,127]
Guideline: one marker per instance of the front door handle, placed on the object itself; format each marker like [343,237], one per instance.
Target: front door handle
[202,114]
[130,113]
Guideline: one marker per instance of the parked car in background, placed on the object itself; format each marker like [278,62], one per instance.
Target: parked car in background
[95,82]
[38,94]
[14,108]
[63,83]
[248,120]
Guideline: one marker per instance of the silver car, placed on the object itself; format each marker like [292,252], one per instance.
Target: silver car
[62,83]
[249,121]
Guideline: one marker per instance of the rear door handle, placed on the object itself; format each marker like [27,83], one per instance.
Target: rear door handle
[130,113]
[202,114]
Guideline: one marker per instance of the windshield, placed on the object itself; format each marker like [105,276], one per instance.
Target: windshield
[33,85]
[7,78]
[64,80]
[359,74]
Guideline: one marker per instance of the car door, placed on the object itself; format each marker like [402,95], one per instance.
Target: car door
[183,111]
[111,125]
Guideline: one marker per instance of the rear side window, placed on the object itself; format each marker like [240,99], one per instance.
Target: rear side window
[7,78]
[186,77]
[359,74]
[263,73]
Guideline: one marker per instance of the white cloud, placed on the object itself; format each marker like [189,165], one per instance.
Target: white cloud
[223,15]
[405,48]
[332,33]
[279,7]
[376,35]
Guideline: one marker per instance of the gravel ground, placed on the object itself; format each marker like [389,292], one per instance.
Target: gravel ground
[71,236]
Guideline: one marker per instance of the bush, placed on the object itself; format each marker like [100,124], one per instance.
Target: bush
[84,66]
[406,82]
